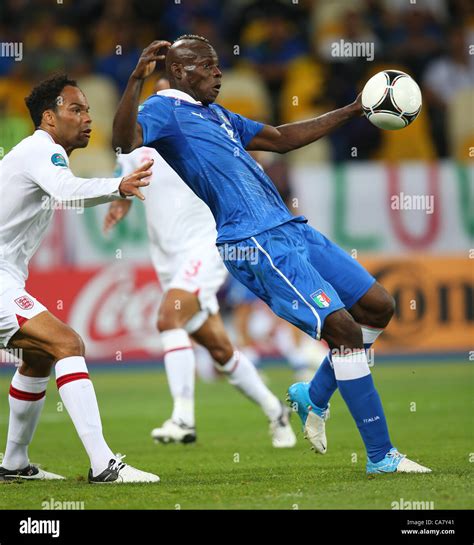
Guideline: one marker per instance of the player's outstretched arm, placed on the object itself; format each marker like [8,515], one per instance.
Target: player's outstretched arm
[301,133]
[127,133]
[63,187]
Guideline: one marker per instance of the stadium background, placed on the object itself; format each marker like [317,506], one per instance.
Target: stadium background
[279,66]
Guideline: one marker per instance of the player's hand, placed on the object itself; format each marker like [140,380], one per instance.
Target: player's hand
[117,211]
[130,185]
[150,55]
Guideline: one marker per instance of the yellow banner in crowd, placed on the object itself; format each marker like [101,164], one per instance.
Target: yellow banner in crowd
[435,303]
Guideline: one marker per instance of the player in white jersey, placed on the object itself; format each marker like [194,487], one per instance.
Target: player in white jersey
[35,179]
[182,234]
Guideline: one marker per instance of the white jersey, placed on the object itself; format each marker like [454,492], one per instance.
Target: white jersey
[34,180]
[182,233]
[178,221]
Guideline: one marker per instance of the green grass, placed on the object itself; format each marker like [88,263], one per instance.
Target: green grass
[233,465]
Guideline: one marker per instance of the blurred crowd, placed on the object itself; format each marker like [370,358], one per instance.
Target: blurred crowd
[278,60]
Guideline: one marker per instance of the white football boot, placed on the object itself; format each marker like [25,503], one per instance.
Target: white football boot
[394,462]
[29,473]
[281,431]
[174,432]
[119,472]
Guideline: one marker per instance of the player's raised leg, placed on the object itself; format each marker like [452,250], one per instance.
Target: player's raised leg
[242,374]
[373,312]
[58,344]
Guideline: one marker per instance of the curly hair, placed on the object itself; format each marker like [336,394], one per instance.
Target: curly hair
[44,96]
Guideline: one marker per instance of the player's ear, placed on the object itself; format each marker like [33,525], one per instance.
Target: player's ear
[177,70]
[49,118]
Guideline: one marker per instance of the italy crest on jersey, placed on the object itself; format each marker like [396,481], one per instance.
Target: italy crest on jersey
[321,299]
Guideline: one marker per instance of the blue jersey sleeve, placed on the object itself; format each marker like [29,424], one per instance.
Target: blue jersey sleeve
[246,128]
[154,116]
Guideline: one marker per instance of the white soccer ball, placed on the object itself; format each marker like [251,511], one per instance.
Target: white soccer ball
[391,100]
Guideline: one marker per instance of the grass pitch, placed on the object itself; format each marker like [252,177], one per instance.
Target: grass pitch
[429,408]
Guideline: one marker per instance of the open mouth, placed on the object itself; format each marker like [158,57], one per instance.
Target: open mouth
[217,87]
[87,132]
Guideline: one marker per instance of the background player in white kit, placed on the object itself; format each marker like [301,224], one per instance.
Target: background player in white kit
[182,233]
[34,176]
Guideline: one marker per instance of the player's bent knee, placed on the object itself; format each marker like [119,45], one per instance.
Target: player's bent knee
[68,345]
[385,309]
[167,321]
[340,329]
[221,353]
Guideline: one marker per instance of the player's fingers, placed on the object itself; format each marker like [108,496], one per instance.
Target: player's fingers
[144,174]
[155,46]
[145,167]
[148,164]
[141,183]
[137,193]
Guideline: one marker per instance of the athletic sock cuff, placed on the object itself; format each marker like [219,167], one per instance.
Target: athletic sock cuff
[175,339]
[230,366]
[70,369]
[350,366]
[370,334]
[33,385]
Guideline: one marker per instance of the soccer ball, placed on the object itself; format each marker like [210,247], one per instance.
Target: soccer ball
[391,100]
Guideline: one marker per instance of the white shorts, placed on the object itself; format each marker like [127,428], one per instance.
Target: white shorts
[16,307]
[199,271]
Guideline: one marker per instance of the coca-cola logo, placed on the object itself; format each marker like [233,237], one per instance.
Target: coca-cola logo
[116,312]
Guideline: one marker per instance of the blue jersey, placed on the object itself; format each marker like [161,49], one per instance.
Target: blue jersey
[205,145]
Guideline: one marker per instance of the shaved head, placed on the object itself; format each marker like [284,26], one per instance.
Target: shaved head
[192,66]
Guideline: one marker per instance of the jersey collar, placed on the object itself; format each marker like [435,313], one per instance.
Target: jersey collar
[176,93]
[44,134]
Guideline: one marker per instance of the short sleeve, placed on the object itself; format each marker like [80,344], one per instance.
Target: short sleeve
[154,115]
[246,128]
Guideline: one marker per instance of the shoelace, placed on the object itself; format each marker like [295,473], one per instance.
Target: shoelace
[396,454]
[118,464]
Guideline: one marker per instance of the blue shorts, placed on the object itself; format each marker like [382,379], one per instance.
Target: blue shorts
[238,294]
[301,275]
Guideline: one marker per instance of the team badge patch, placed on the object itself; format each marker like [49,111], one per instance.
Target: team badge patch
[58,160]
[321,299]
[24,302]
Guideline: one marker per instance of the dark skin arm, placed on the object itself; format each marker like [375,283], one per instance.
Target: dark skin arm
[296,135]
[127,133]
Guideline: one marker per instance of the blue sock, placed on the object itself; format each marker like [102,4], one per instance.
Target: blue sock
[358,391]
[323,384]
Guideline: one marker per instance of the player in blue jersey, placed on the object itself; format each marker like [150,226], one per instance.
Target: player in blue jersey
[304,277]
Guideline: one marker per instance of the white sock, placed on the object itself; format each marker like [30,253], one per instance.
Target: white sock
[78,395]
[180,365]
[26,399]
[370,334]
[242,374]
